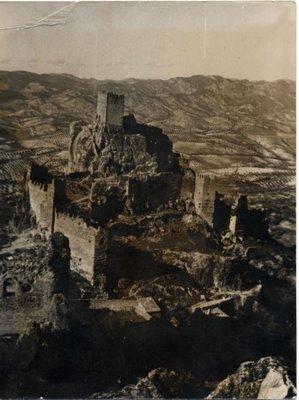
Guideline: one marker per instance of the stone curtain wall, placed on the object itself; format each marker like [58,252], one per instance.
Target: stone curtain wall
[222,213]
[151,192]
[41,197]
[18,310]
[88,245]
[15,318]
[101,261]
[30,297]
[204,197]
[188,184]
[248,222]
[84,241]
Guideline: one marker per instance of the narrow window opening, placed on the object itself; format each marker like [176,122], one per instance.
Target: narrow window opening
[9,288]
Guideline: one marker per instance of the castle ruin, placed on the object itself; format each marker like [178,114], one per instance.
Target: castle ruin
[222,211]
[36,294]
[88,244]
[129,168]
[120,167]
[41,188]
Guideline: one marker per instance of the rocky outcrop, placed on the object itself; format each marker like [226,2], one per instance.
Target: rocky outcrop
[174,291]
[110,151]
[264,379]
[139,158]
[159,383]
[235,274]
[276,385]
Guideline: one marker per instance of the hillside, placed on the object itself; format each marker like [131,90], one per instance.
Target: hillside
[243,131]
[245,123]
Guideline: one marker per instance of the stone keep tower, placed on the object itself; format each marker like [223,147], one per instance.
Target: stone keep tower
[110,108]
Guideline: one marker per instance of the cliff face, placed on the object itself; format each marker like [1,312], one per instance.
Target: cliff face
[109,150]
[100,149]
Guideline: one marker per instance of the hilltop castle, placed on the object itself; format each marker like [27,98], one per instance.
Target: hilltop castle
[118,166]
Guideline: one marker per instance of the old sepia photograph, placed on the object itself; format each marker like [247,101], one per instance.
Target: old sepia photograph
[147,200]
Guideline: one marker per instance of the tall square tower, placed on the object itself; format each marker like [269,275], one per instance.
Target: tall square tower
[110,108]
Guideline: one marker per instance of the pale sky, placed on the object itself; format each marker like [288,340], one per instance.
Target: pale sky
[119,40]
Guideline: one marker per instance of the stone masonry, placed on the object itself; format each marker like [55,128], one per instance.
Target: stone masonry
[88,244]
[110,109]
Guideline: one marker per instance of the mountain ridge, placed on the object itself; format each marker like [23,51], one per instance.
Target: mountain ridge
[255,118]
[148,79]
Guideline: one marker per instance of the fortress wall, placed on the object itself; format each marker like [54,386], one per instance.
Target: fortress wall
[169,185]
[114,305]
[18,310]
[248,222]
[14,318]
[101,260]
[28,298]
[87,244]
[222,213]
[204,197]
[41,197]
[188,184]
[152,192]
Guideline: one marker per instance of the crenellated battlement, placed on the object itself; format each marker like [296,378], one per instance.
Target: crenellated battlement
[207,177]
[88,244]
[46,187]
[41,188]
[39,173]
[76,221]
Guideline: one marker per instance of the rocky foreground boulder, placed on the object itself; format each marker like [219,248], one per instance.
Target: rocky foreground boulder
[264,379]
[159,383]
